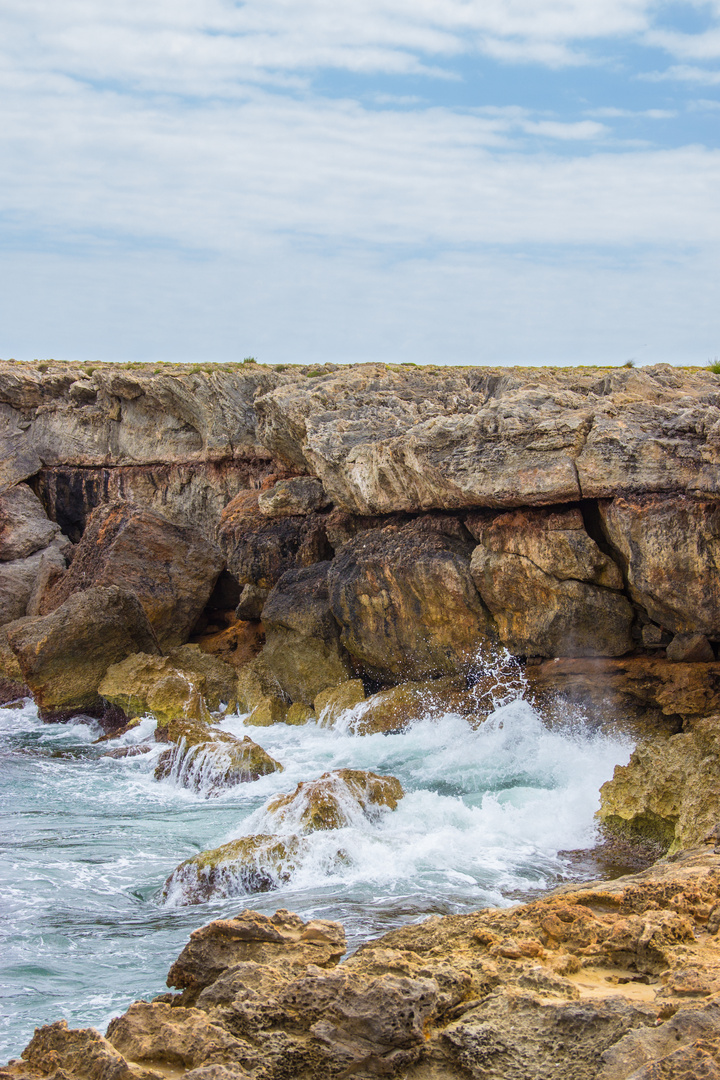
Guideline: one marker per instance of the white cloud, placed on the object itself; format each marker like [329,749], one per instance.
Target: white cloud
[685,73]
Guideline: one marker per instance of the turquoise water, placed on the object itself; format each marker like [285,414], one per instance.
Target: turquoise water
[87,842]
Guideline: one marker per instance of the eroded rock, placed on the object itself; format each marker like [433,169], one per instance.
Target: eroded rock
[186,683]
[209,760]
[252,864]
[337,799]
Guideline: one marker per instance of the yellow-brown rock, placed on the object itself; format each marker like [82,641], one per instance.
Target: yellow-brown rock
[335,800]
[330,704]
[396,708]
[249,865]
[269,710]
[187,683]
[209,760]
[299,714]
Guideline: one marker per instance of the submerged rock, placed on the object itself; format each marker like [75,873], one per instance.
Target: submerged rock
[331,704]
[208,760]
[397,708]
[251,864]
[64,656]
[335,800]
[172,569]
[186,683]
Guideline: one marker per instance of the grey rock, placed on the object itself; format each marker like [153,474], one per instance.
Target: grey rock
[252,602]
[24,525]
[690,649]
[298,495]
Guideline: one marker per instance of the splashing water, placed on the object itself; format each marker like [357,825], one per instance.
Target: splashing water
[88,841]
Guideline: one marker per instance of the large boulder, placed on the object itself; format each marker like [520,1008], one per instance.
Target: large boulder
[33,553]
[550,588]
[405,600]
[172,569]
[24,525]
[670,546]
[64,656]
[335,800]
[205,759]
[142,683]
[252,864]
[302,639]
[259,549]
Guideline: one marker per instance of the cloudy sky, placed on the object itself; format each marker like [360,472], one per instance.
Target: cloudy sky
[443,181]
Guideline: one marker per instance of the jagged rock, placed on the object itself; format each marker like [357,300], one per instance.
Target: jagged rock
[299,714]
[209,760]
[252,864]
[80,1053]
[396,708]
[335,800]
[690,648]
[237,645]
[669,793]
[259,550]
[671,549]
[24,525]
[672,1043]
[186,684]
[269,710]
[302,639]
[23,582]
[405,601]
[341,526]
[126,545]
[297,495]
[331,704]
[175,1036]
[64,656]
[251,602]
[281,939]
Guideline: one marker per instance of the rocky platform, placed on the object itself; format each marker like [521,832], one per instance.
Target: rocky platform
[604,981]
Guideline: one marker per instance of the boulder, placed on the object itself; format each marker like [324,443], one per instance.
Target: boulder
[302,639]
[269,710]
[172,569]
[251,864]
[395,709]
[331,704]
[297,495]
[186,683]
[405,600]
[64,656]
[83,1053]
[282,939]
[690,649]
[12,685]
[23,582]
[669,793]
[259,550]
[299,714]
[251,602]
[670,546]
[24,525]
[255,684]
[208,760]
[337,799]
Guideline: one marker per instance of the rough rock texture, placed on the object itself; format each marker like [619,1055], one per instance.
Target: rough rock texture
[172,569]
[330,704]
[671,550]
[298,495]
[335,800]
[550,588]
[24,525]
[396,708]
[405,601]
[252,864]
[208,760]
[134,685]
[64,656]
[259,550]
[33,553]
[604,981]
[12,685]
[302,639]
[669,793]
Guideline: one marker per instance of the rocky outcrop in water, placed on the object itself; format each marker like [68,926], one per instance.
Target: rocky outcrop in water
[603,981]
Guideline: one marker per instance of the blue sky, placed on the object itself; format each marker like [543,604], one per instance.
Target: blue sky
[462,181]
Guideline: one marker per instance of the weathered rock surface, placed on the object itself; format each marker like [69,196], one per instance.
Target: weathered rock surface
[337,799]
[297,495]
[209,760]
[302,639]
[144,683]
[24,582]
[671,550]
[405,600]
[252,864]
[64,656]
[172,569]
[330,704]
[12,685]
[396,708]
[24,526]
[669,793]
[604,981]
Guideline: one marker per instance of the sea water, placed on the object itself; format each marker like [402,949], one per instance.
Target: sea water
[88,841]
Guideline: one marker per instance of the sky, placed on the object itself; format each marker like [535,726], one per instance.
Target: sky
[450,182]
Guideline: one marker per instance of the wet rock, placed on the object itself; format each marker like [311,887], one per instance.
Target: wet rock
[251,602]
[331,704]
[302,639]
[299,714]
[337,799]
[297,495]
[64,656]
[690,649]
[669,791]
[252,864]
[670,546]
[397,708]
[259,550]
[405,601]
[269,710]
[12,684]
[256,683]
[281,939]
[175,1036]
[83,1052]
[206,759]
[126,545]
[24,525]
[186,684]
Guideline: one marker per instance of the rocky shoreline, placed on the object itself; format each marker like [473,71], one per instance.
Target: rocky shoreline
[368,545]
